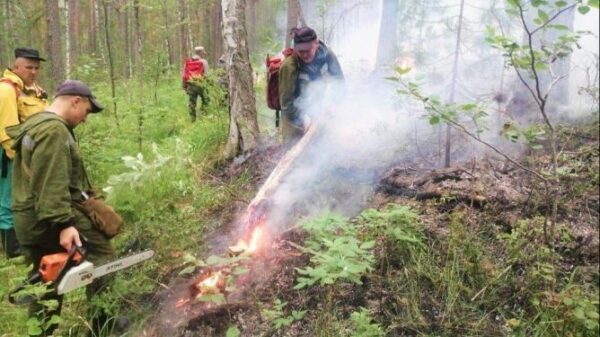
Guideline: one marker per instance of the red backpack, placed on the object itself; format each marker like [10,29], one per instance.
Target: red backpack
[273,64]
[192,68]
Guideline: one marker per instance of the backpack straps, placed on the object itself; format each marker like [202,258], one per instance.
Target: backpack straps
[13,84]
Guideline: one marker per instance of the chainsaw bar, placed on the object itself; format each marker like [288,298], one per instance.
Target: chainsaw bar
[84,273]
[122,263]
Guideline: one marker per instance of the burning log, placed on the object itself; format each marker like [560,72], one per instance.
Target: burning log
[259,206]
[250,246]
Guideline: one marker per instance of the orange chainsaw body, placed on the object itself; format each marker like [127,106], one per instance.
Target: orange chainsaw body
[52,265]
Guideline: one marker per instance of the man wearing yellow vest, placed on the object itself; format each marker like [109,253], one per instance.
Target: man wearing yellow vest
[20,97]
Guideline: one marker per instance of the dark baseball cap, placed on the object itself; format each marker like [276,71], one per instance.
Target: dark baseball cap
[303,38]
[28,53]
[78,88]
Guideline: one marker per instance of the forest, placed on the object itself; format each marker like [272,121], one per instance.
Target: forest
[431,169]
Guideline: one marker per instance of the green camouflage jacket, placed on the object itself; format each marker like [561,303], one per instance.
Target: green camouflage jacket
[48,176]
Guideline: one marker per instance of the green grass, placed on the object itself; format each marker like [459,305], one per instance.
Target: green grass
[460,284]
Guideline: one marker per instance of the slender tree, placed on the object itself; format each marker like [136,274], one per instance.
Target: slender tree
[122,10]
[137,39]
[293,16]
[73,8]
[453,82]
[111,66]
[167,35]
[216,42]
[92,27]
[183,28]
[53,43]
[387,49]
[243,125]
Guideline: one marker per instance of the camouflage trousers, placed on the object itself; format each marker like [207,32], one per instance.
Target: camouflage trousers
[193,92]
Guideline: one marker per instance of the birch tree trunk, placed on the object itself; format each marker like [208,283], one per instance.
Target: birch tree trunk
[243,125]
[387,49]
[53,43]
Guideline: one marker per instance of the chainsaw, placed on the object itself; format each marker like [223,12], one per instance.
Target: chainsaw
[68,271]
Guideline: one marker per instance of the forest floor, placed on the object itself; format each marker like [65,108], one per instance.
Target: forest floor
[471,262]
[454,252]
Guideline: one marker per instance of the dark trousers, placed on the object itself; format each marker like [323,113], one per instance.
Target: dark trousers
[193,92]
[10,245]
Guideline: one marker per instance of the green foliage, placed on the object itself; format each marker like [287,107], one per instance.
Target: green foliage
[276,315]
[233,331]
[561,309]
[337,252]
[363,326]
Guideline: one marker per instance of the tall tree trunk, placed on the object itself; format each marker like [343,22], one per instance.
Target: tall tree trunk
[5,35]
[216,40]
[243,125]
[251,25]
[123,12]
[387,49]
[168,38]
[73,8]
[111,67]
[92,27]
[183,29]
[453,83]
[137,39]
[53,43]
[293,14]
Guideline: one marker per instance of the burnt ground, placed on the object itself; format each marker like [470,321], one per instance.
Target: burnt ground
[491,194]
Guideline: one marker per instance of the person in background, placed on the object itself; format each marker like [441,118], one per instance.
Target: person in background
[193,72]
[311,61]
[20,97]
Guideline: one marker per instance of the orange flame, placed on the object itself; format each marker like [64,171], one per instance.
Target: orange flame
[251,246]
[212,284]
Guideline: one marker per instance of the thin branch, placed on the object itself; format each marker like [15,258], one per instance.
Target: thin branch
[541,101]
[470,134]
[553,18]
[520,76]
[553,83]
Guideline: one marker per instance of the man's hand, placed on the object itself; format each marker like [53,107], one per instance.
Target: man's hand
[68,237]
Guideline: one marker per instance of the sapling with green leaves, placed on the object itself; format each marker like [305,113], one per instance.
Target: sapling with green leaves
[529,61]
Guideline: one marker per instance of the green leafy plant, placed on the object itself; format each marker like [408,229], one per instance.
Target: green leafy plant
[364,326]
[337,252]
[276,315]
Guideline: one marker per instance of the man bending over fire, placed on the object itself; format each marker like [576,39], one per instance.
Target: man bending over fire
[311,61]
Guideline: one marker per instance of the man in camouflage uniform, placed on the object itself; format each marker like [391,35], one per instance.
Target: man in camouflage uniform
[20,97]
[311,61]
[48,178]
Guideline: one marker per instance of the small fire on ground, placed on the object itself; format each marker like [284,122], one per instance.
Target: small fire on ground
[213,281]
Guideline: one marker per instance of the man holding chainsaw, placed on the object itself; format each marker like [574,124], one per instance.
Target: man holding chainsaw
[311,61]
[48,179]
